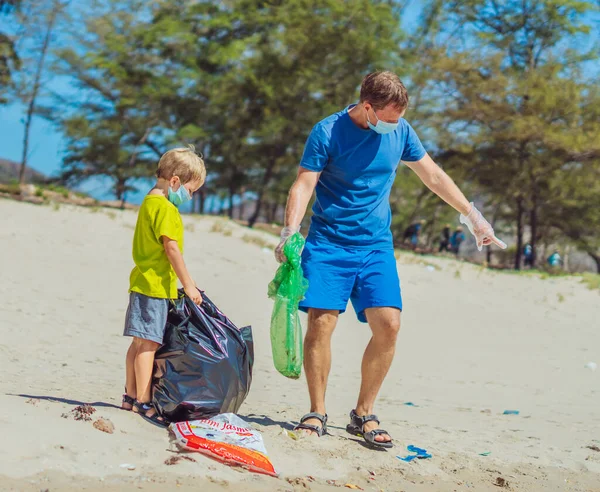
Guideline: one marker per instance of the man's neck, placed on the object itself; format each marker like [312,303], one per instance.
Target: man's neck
[359,116]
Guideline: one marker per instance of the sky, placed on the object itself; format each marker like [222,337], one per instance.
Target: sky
[47,143]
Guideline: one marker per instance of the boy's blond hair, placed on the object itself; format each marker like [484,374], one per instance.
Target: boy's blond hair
[182,162]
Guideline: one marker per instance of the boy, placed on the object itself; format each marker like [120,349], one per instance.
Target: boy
[157,253]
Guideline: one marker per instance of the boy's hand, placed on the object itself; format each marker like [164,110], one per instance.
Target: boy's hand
[194,294]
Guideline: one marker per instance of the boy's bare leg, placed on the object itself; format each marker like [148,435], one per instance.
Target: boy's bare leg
[130,386]
[385,325]
[143,365]
[317,358]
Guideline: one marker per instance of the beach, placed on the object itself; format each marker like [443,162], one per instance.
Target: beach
[473,344]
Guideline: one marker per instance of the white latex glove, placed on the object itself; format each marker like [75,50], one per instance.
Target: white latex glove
[481,229]
[286,233]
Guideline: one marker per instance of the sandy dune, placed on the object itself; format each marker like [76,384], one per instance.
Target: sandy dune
[473,344]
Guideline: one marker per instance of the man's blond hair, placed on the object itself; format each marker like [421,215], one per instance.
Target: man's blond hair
[183,162]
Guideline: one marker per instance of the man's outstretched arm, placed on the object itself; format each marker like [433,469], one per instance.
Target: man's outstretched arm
[442,185]
[298,198]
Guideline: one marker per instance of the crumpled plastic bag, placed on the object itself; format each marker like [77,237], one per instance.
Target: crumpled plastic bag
[287,289]
[226,438]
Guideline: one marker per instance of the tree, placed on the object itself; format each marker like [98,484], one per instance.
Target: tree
[9,59]
[263,73]
[116,128]
[511,92]
[32,76]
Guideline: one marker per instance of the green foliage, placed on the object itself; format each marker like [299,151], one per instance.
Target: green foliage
[591,280]
[501,94]
[519,120]
[110,130]
[9,59]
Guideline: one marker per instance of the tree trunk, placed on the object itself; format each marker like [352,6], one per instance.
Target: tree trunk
[533,224]
[201,201]
[488,254]
[261,192]
[35,91]
[231,196]
[120,187]
[519,251]
[242,208]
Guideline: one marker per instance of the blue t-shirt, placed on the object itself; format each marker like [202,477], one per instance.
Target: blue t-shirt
[358,167]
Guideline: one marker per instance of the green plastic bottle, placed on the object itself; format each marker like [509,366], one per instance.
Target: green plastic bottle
[287,289]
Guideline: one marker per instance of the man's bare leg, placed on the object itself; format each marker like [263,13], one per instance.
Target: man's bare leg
[377,359]
[317,358]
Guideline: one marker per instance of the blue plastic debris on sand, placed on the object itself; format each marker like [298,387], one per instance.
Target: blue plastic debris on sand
[410,404]
[418,454]
[510,412]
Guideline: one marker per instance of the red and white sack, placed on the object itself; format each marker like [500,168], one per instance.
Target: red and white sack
[226,438]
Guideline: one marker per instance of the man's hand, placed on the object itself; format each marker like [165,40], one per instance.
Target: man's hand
[481,229]
[286,233]
[194,294]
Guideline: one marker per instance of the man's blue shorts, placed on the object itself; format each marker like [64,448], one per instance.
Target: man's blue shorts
[336,274]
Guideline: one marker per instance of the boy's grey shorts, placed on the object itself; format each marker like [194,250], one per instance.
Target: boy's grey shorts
[146,317]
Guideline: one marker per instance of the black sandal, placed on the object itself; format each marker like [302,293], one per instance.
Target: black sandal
[155,419]
[129,400]
[313,428]
[356,426]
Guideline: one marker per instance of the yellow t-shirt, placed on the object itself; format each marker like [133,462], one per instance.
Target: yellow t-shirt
[153,274]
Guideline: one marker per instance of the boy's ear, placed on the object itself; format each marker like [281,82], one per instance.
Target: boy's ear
[174,181]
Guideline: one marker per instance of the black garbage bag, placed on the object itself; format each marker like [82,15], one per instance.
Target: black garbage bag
[204,366]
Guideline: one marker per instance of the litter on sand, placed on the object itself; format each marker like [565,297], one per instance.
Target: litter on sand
[410,404]
[486,453]
[510,412]
[418,454]
[226,438]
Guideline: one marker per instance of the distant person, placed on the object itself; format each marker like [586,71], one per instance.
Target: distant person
[528,255]
[456,239]
[412,233]
[351,159]
[554,260]
[445,238]
[158,258]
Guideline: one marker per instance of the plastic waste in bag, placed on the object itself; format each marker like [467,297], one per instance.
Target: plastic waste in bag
[287,289]
[204,366]
[226,438]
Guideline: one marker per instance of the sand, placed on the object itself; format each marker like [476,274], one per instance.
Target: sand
[473,344]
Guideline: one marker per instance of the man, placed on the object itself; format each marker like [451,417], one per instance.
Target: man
[445,239]
[351,158]
[554,260]
[528,255]
[413,232]
[456,239]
